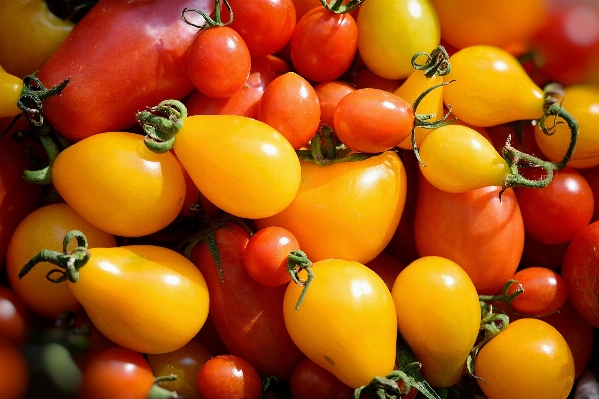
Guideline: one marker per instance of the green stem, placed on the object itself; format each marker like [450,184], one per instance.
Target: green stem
[210,22]
[32,96]
[338,7]
[297,261]
[58,364]
[437,63]
[43,176]
[386,387]
[161,123]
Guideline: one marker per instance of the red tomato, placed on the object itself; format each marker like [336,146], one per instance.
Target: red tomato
[536,253]
[592,177]
[14,318]
[329,94]
[387,267]
[544,293]
[324,44]
[14,374]
[310,381]
[229,377]
[365,78]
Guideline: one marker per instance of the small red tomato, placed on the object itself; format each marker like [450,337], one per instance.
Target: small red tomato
[14,318]
[14,374]
[329,94]
[372,120]
[544,293]
[310,381]
[229,377]
[266,254]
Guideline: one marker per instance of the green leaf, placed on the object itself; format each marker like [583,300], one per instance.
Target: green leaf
[409,365]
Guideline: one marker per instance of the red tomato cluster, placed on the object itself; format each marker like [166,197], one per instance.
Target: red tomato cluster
[300,199]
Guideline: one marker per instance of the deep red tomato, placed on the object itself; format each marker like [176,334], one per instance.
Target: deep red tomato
[14,318]
[266,255]
[580,269]
[544,293]
[247,315]
[323,44]
[592,177]
[548,213]
[126,65]
[387,267]
[536,253]
[365,78]
[14,372]
[329,94]
[310,381]
[229,377]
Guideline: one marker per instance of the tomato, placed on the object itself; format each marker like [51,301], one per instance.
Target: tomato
[387,267]
[489,20]
[45,228]
[218,60]
[29,35]
[244,101]
[536,253]
[544,293]
[329,94]
[265,256]
[591,175]
[529,359]
[229,377]
[391,32]
[310,381]
[14,372]
[247,315]
[372,120]
[346,323]
[323,44]
[438,314]
[10,91]
[185,363]
[121,186]
[366,78]
[14,318]
[133,67]
[581,272]
[290,105]
[490,88]
[548,213]
[241,165]
[582,102]
[354,206]
[476,229]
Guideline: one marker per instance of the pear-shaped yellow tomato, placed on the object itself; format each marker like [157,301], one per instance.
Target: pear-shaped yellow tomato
[118,185]
[490,88]
[146,298]
[529,359]
[346,210]
[438,314]
[582,102]
[392,31]
[10,91]
[242,165]
[460,159]
[346,323]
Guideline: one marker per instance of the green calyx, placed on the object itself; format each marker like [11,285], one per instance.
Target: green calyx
[437,62]
[161,123]
[69,261]
[296,262]
[210,22]
[32,96]
[338,7]
[157,392]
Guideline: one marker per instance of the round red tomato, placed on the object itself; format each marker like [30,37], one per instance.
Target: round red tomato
[544,293]
[229,377]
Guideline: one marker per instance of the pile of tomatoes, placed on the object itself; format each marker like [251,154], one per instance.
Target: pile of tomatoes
[302,199]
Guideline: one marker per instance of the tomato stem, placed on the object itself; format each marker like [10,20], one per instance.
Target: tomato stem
[69,261]
[210,22]
[338,7]
[157,392]
[161,123]
[32,96]
[437,63]
[297,261]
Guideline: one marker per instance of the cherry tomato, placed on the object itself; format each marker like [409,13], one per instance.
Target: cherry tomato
[548,213]
[365,78]
[290,105]
[536,253]
[229,377]
[391,32]
[387,267]
[358,343]
[438,314]
[14,372]
[372,120]
[544,293]
[329,94]
[355,206]
[118,185]
[10,91]
[529,359]
[45,228]
[265,256]
[14,318]
[310,381]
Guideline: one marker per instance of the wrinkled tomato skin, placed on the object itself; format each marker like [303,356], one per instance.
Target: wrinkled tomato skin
[101,56]
[247,315]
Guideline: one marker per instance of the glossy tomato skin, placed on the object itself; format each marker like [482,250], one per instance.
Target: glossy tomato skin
[365,198]
[391,32]
[329,94]
[14,317]
[146,298]
[247,315]
[358,343]
[229,377]
[14,375]
[475,229]
[45,228]
[580,271]
[438,314]
[110,72]
[529,354]
[545,291]
[310,381]
[243,166]
[10,91]
[323,44]
[122,187]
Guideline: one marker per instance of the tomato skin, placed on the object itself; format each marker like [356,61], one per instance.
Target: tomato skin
[475,229]
[241,165]
[387,267]
[14,372]
[529,354]
[104,167]
[329,94]
[146,298]
[247,315]
[14,318]
[372,120]
[111,72]
[357,344]
[490,88]
[10,91]
[310,381]
[438,314]
[544,293]
[365,198]
[581,272]
[229,377]
[391,32]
